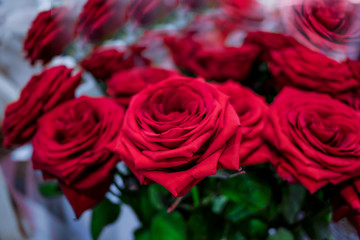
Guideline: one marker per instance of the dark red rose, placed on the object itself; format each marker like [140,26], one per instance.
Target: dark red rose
[302,68]
[252,110]
[50,33]
[149,11]
[316,137]
[73,144]
[101,18]
[42,93]
[243,10]
[123,85]
[327,26]
[214,62]
[103,62]
[179,131]
[269,41]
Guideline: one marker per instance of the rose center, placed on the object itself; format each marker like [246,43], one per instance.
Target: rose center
[75,123]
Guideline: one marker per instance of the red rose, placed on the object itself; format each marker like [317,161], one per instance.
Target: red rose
[214,62]
[316,137]
[49,34]
[101,18]
[269,41]
[330,27]
[72,144]
[42,93]
[123,85]
[179,131]
[252,110]
[148,11]
[103,62]
[243,9]
[302,68]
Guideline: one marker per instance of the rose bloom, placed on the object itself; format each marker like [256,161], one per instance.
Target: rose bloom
[178,132]
[123,85]
[50,33]
[300,67]
[330,27]
[73,144]
[101,18]
[103,62]
[268,41]
[252,110]
[217,62]
[316,138]
[292,64]
[148,11]
[42,93]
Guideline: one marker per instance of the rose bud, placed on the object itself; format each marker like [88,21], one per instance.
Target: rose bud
[178,132]
[50,33]
[42,93]
[100,19]
[74,143]
[316,138]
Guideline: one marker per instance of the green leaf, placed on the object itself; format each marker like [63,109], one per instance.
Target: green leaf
[156,193]
[281,234]
[103,214]
[142,234]
[142,204]
[197,227]
[293,197]
[317,227]
[50,189]
[168,226]
[257,228]
[248,194]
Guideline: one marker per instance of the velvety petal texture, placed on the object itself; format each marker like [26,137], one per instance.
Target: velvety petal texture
[101,18]
[103,62]
[42,93]
[74,144]
[316,138]
[179,131]
[50,33]
[252,110]
[123,85]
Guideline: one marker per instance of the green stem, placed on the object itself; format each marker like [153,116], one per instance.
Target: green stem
[195,196]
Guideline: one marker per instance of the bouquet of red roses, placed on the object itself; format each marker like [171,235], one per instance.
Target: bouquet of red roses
[204,102]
